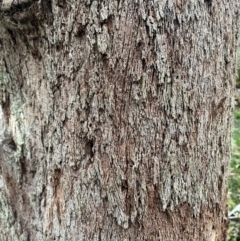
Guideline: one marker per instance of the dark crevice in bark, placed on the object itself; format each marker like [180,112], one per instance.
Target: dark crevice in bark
[18,6]
[12,35]
[89,148]
[10,144]
[6,108]
[23,166]
[208,2]
[81,31]
[62,3]
[47,11]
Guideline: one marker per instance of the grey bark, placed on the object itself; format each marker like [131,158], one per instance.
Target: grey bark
[238,56]
[116,119]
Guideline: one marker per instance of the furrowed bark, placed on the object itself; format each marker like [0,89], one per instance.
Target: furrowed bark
[116,119]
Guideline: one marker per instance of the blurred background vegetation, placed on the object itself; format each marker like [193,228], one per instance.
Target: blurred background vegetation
[234,179]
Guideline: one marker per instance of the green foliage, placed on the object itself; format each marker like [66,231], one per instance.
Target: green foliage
[234,179]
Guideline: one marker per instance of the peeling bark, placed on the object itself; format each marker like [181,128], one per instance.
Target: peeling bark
[116,119]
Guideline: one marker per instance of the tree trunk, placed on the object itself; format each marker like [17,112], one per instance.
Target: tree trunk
[238,59]
[116,119]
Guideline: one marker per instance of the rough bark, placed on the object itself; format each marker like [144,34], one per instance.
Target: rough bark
[116,119]
[238,59]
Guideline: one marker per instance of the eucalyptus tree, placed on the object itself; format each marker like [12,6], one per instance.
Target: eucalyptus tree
[116,119]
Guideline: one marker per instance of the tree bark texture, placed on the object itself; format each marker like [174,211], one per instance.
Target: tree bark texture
[238,55]
[116,119]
